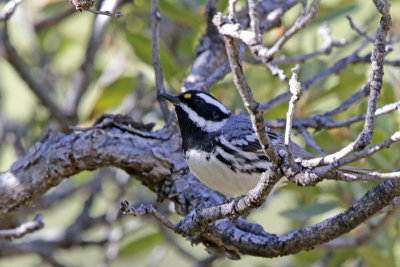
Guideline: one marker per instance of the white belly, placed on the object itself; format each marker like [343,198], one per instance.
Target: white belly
[218,177]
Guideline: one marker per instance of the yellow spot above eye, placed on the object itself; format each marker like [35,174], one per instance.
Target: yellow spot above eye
[187,96]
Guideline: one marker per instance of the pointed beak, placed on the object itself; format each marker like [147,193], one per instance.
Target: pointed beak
[171,98]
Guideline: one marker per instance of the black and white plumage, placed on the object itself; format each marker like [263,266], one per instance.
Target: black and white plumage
[221,149]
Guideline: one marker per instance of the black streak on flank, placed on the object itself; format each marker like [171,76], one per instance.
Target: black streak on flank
[227,162]
[254,170]
[263,158]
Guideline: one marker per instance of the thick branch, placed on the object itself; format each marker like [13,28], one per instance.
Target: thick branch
[309,237]
[155,159]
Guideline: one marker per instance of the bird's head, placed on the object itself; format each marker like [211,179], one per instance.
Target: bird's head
[199,108]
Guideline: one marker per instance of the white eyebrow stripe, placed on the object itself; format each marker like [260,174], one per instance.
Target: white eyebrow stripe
[209,126]
[214,102]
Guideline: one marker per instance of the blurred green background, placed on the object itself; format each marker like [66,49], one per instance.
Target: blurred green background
[123,65]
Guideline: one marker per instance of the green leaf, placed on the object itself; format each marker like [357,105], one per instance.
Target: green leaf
[181,15]
[142,46]
[112,95]
[375,257]
[307,211]
[331,14]
[343,257]
[140,245]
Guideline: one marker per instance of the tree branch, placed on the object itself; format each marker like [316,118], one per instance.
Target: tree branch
[83,76]
[252,106]
[295,89]
[23,229]
[155,53]
[375,80]
[39,89]
[211,64]
[156,160]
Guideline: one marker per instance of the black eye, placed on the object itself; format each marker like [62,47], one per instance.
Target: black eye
[198,100]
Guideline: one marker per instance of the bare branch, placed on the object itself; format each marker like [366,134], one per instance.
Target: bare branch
[53,20]
[363,92]
[106,13]
[83,76]
[155,158]
[329,43]
[211,46]
[367,177]
[8,9]
[51,160]
[39,89]
[232,10]
[300,22]
[377,59]
[310,141]
[325,122]
[146,209]
[360,32]
[254,42]
[252,106]
[197,222]
[254,22]
[25,228]
[155,53]
[337,67]
[295,89]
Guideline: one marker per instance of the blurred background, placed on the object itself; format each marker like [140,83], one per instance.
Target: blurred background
[123,82]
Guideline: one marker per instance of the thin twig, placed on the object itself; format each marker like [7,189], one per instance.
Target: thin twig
[376,76]
[252,106]
[394,138]
[182,251]
[23,229]
[325,122]
[53,20]
[106,13]
[360,32]
[363,92]
[83,76]
[9,9]
[300,22]
[197,221]
[254,22]
[329,43]
[232,10]
[295,89]
[39,89]
[155,53]
[310,141]
[146,209]
[232,29]
[366,177]
[339,65]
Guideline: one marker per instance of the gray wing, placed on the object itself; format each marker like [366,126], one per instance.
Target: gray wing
[239,132]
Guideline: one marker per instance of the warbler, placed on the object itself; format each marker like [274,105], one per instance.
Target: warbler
[221,149]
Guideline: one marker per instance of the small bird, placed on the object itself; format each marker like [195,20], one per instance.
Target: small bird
[221,149]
